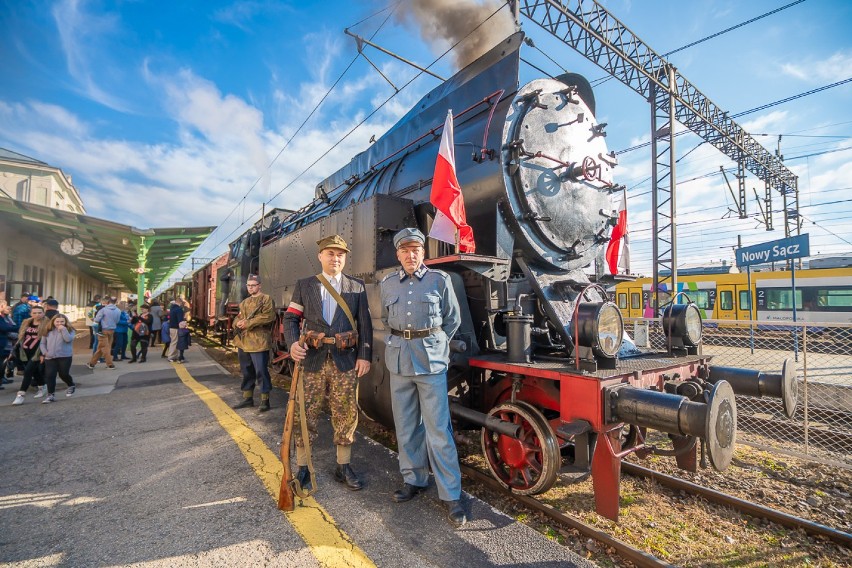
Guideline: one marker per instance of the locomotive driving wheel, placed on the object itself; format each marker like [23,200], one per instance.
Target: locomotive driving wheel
[530,464]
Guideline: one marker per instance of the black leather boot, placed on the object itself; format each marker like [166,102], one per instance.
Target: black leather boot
[264,405]
[455,513]
[407,493]
[303,476]
[344,474]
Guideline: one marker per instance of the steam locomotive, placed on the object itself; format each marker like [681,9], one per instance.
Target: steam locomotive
[541,364]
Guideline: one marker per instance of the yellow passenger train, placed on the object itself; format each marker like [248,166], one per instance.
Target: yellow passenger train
[823,295]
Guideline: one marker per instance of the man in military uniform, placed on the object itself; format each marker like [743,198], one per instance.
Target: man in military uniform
[334,358]
[421,313]
[253,331]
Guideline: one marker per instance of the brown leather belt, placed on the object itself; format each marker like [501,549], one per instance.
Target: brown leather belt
[328,340]
[415,333]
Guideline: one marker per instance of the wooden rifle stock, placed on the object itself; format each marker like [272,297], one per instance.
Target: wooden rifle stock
[285,493]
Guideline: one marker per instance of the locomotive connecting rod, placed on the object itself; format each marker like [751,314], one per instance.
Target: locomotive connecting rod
[749,382]
[714,421]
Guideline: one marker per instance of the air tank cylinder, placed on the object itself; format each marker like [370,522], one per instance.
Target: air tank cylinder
[518,337]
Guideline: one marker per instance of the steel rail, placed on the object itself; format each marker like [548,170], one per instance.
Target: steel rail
[747,507]
[638,557]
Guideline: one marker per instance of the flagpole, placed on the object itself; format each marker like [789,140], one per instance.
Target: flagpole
[458,246]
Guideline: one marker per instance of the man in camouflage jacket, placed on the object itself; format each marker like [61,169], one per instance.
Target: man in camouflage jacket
[253,327]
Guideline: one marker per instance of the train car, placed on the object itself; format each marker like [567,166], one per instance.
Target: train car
[203,295]
[823,296]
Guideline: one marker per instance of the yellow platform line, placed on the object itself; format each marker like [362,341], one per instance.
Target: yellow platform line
[327,542]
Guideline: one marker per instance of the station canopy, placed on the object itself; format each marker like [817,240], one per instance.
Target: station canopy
[114,253]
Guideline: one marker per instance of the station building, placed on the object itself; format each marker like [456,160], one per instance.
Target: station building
[50,247]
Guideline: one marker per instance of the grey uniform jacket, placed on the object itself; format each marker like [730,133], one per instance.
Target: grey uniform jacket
[307,303]
[422,301]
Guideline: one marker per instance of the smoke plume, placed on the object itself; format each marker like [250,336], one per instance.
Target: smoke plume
[444,22]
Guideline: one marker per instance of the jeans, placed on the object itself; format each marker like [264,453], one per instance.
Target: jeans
[119,348]
[60,366]
[142,342]
[255,368]
[424,433]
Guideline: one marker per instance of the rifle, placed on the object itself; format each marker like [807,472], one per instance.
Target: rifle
[285,493]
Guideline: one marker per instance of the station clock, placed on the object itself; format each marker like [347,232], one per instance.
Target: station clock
[72,246]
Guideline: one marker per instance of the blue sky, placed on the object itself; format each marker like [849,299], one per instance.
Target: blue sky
[166,114]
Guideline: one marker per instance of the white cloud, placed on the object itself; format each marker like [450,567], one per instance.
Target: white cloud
[837,67]
[79,33]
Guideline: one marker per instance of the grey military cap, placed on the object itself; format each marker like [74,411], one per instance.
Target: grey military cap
[408,235]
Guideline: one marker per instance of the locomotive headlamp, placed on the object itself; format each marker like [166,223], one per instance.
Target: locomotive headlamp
[683,321]
[601,327]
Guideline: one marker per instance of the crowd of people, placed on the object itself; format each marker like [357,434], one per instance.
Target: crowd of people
[36,340]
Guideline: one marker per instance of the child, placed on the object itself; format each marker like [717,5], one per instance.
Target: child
[184,340]
[165,335]
[57,349]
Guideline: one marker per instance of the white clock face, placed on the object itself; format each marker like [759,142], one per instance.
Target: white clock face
[72,246]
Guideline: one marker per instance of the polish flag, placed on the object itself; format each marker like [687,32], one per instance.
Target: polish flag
[618,250]
[447,197]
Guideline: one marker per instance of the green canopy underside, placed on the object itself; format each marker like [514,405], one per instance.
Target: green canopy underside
[113,252]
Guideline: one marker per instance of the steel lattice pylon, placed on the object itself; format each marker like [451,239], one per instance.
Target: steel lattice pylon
[590,29]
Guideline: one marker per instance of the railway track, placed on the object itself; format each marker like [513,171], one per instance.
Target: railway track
[636,556]
[640,557]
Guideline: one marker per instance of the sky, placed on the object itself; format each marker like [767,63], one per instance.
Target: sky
[196,113]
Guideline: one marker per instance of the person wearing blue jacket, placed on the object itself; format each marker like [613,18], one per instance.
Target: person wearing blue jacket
[176,315]
[165,334]
[184,340]
[119,347]
[107,318]
[57,348]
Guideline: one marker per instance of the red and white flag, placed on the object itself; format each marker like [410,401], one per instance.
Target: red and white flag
[618,250]
[447,197]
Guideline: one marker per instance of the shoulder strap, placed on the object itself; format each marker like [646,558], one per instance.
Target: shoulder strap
[338,299]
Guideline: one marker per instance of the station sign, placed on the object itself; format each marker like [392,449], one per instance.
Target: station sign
[774,251]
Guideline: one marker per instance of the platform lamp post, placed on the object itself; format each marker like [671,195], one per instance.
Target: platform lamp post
[141,257]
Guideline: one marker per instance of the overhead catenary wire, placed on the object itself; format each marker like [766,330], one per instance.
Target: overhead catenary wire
[308,118]
[359,124]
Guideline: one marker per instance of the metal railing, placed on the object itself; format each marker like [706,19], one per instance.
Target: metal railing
[822,354]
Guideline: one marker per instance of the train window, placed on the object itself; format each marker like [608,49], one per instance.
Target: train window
[835,299]
[701,298]
[635,301]
[726,300]
[622,300]
[745,300]
[782,299]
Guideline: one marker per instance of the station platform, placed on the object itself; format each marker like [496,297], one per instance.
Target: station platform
[147,465]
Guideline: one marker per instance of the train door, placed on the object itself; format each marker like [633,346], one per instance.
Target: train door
[733,302]
[629,299]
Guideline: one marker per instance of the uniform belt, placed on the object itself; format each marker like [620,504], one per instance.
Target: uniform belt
[329,340]
[415,333]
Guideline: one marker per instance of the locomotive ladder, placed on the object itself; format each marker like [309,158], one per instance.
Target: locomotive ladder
[591,30]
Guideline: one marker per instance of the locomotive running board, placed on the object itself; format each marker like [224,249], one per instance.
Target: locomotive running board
[492,267]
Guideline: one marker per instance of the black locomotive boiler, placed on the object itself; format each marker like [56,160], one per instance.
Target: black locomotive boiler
[540,363]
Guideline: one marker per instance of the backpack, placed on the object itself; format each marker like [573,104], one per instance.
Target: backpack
[140,328]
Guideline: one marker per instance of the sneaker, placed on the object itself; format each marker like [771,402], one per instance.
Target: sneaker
[20,398]
[49,398]
[41,392]
[89,365]
[71,390]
